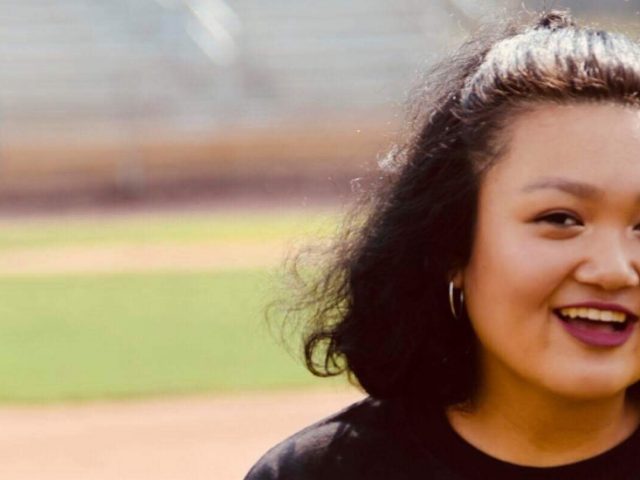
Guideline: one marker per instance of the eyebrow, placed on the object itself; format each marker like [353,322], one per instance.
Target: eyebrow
[577,189]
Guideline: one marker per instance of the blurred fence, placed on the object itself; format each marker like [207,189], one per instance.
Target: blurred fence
[131,97]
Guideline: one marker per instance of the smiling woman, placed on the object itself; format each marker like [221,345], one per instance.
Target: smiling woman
[557,240]
[489,305]
[552,282]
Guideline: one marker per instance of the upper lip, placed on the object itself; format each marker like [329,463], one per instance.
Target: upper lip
[615,307]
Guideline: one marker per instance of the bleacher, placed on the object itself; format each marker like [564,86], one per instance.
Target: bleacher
[122,95]
[85,61]
[117,95]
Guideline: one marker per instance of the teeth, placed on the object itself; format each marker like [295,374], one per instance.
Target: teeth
[594,314]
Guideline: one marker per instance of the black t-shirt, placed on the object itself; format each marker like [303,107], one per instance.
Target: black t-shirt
[386,439]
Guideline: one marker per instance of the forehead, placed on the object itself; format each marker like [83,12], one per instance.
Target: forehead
[593,143]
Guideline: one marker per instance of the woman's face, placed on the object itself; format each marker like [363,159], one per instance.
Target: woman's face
[557,237]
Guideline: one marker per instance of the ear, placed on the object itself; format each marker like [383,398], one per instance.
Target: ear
[458,279]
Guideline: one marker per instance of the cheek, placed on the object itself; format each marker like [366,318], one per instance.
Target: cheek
[511,276]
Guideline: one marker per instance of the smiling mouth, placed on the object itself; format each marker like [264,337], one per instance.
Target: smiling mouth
[596,319]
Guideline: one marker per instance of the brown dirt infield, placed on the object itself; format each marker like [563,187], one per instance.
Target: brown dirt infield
[207,437]
[139,258]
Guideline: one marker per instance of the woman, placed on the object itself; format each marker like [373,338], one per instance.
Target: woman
[489,304]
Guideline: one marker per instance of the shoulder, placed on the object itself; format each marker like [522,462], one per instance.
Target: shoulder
[361,441]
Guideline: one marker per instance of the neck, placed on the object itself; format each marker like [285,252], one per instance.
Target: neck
[537,428]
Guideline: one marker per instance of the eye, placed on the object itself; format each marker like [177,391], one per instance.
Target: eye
[561,219]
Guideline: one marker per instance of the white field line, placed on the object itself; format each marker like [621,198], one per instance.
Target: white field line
[140,258]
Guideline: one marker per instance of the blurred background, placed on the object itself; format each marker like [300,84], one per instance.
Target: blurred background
[157,160]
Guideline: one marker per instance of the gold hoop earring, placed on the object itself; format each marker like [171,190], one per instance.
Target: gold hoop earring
[452,301]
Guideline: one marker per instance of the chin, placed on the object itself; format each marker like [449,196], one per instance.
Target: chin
[591,387]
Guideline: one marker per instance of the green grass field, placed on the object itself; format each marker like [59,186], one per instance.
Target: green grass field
[82,337]
[163,229]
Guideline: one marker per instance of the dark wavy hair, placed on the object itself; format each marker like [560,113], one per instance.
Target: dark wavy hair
[379,308]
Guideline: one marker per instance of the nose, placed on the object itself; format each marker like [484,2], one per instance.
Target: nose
[610,265]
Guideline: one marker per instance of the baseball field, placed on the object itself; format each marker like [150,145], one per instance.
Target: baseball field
[144,316]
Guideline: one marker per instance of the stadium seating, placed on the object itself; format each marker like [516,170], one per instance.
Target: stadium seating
[114,94]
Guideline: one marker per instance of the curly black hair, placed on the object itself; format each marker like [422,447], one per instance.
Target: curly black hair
[379,308]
